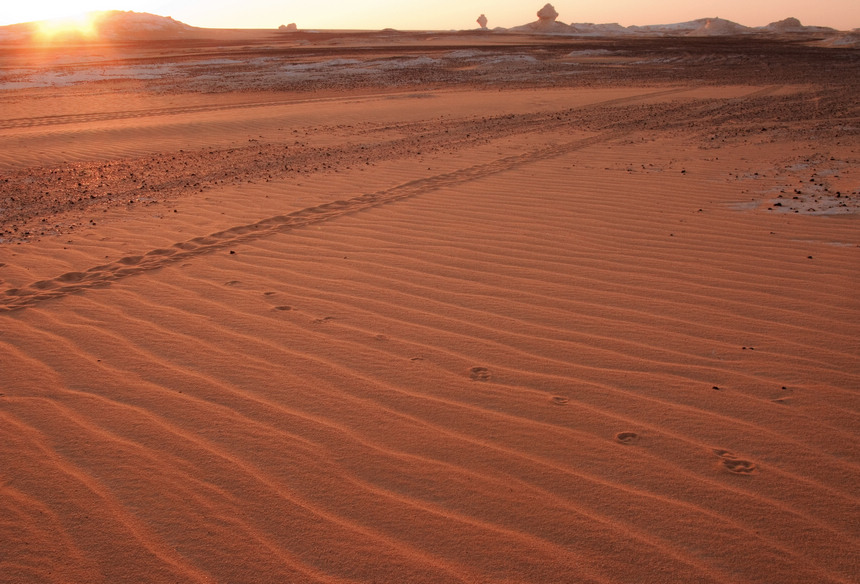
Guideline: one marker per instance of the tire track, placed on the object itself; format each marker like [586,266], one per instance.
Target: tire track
[83,118]
[31,122]
[64,194]
[122,115]
[71,282]
[764,92]
[103,275]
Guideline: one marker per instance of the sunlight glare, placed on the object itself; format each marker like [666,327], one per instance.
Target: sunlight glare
[81,26]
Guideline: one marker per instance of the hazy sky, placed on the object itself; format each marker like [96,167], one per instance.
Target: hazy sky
[444,14]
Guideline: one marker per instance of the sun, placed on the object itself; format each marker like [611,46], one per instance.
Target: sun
[81,26]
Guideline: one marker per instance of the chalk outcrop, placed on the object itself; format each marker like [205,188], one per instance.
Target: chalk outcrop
[482,21]
[793,25]
[719,27]
[547,13]
[546,23]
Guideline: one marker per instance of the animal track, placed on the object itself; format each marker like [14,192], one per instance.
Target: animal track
[182,251]
[479,374]
[739,466]
[627,437]
[733,464]
[784,397]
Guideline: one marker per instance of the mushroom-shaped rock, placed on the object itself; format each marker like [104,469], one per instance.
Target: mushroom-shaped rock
[482,21]
[547,13]
[546,23]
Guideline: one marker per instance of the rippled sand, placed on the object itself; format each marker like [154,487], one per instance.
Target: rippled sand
[396,319]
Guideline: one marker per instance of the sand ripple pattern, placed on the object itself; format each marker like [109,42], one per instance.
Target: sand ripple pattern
[574,364]
[99,276]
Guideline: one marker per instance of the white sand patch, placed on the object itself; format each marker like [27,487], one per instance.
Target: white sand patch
[591,53]
[33,78]
[508,59]
[815,185]
[816,203]
[466,54]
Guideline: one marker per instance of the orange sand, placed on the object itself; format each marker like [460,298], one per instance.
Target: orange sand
[471,335]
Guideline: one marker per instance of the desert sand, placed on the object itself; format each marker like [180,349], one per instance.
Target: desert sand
[390,307]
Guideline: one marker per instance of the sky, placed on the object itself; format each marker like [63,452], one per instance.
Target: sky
[443,14]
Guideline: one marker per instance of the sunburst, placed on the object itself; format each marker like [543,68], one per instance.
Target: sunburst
[82,26]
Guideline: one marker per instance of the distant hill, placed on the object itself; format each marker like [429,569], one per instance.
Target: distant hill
[117,25]
[547,23]
[793,25]
[698,27]
[719,27]
[113,25]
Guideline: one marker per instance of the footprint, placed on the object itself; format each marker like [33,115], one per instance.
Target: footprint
[284,307]
[43,284]
[160,252]
[734,464]
[785,396]
[559,400]
[72,277]
[269,293]
[381,338]
[479,374]
[323,319]
[739,466]
[131,260]
[627,437]
[232,283]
